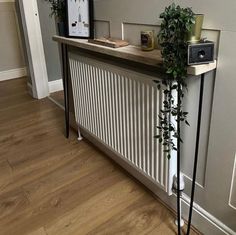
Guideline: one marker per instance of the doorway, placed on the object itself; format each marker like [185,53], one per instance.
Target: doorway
[29,17]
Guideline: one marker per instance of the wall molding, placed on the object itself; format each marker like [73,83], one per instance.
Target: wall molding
[55,86]
[13,73]
[209,223]
[232,185]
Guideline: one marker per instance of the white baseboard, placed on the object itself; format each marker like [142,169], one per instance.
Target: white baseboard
[55,86]
[13,73]
[204,221]
[3,1]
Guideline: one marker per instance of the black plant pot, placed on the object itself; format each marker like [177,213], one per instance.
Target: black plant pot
[61,26]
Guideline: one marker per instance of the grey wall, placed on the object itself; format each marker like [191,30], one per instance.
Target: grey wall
[23,43]
[216,183]
[50,48]
[11,52]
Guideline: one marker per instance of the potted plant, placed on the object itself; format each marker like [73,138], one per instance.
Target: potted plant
[58,10]
[176,24]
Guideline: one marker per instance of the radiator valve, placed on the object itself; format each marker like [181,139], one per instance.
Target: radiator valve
[181,189]
[181,183]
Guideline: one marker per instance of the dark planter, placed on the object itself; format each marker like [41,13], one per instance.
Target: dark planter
[61,27]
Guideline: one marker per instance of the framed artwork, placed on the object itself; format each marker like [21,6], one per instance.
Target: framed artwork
[80,18]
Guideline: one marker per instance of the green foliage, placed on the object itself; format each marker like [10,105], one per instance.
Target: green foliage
[58,9]
[176,24]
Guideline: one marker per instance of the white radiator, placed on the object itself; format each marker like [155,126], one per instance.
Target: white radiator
[120,108]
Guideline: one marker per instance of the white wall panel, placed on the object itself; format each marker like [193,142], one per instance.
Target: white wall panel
[232,196]
[219,14]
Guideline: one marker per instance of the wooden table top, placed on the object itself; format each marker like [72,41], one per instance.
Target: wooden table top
[131,53]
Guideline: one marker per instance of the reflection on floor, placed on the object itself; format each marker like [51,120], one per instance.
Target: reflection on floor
[58,97]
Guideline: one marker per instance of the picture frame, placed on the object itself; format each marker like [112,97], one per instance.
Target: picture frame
[80,19]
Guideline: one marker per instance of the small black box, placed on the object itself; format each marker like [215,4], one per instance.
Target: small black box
[201,53]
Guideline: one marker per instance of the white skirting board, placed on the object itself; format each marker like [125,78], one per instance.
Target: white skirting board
[55,86]
[13,73]
[206,221]
[3,1]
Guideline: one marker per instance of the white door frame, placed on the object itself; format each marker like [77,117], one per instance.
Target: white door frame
[34,47]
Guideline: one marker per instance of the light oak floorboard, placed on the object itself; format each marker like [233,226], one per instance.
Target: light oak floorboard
[50,185]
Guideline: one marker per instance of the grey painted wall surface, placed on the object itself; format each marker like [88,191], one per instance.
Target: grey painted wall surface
[216,185]
[11,52]
[29,80]
[48,29]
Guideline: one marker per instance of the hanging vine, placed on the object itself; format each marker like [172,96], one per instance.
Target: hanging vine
[176,24]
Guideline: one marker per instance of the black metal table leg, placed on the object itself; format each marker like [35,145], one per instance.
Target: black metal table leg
[196,152]
[178,164]
[65,71]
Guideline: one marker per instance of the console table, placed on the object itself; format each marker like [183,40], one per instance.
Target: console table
[138,59]
[129,53]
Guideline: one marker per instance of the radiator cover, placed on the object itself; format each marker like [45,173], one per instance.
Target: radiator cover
[120,108]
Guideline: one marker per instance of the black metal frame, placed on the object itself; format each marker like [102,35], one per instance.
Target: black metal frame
[196,151]
[178,164]
[91,21]
[195,159]
[65,70]
[65,75]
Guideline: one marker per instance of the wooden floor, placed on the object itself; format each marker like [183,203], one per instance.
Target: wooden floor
[51,185]
[58,97]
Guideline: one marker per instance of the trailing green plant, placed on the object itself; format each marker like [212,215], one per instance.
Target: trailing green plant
[176,24]
[58,9]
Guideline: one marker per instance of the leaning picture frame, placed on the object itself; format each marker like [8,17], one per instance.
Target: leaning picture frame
[80,20]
